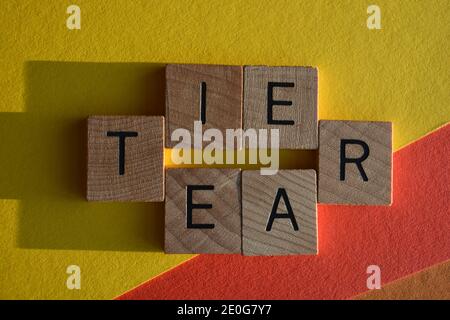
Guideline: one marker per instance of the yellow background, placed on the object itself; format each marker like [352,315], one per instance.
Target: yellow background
[52,78]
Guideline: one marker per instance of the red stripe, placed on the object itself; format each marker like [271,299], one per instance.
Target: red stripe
[408,236]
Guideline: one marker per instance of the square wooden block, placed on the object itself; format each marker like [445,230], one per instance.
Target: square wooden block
[283,98]
[355,162]
[211,94]
[279,215]
[125,158]
[203,211]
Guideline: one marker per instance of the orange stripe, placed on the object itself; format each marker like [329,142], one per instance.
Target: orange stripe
[432,283]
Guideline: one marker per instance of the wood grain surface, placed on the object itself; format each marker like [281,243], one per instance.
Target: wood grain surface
[258,195]
[302,134]
[223,97]
[225,213]
[143,176]
[377,167]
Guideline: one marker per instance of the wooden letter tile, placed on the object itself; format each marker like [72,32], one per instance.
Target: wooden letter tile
[355,162]
[125,158]
[203,211]
[283,98]
[211,94]
[279,215]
